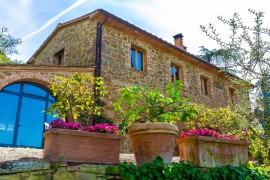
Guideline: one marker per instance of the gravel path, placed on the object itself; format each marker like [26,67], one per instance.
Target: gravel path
[22,154]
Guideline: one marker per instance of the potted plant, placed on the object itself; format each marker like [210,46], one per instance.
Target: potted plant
[72,138]
[208,148]
[216,137]
[148,115]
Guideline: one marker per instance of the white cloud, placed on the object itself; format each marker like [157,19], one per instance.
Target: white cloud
[159,17]
[54,19]
[167,18]
[15,14]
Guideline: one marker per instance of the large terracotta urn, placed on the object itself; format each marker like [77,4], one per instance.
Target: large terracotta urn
[213,152]
[149,140]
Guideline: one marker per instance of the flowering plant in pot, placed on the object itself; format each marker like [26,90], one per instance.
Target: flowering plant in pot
[147,115]
[216,137]
[72,137]
[99,128]
[208,148]
[77,99]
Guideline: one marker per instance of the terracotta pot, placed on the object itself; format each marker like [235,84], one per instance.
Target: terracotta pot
[149,140]
[213,152]
[81,146]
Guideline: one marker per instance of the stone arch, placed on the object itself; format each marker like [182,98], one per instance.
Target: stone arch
[29,77]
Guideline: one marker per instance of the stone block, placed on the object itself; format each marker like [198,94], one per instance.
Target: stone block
[83,176]
[86,176]
[101,177]
[23,166]
[113,177]
[62,173]
[96,169]
[10,177]
[37,177]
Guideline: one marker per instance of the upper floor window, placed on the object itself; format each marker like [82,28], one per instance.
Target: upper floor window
[232,95]
[176,73]
[58,57]
[137,58]
[204,85]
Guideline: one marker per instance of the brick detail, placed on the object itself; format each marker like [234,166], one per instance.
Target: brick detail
[36,74]
[24,76]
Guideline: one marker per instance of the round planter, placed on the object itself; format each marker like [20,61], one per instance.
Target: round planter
[149,140]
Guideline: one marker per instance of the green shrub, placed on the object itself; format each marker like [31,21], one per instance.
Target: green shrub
[151,105]
[224,120]
[158,170]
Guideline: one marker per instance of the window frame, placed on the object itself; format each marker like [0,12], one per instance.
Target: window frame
[143,56]
[180,73]
[205,86]
[232,95]
[59,57]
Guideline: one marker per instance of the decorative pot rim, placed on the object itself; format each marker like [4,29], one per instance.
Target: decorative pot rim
[152,128]
[81,133]
[211,139]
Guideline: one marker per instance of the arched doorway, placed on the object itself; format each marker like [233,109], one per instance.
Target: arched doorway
[22,114]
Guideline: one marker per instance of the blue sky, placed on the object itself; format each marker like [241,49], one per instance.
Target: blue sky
[33,20]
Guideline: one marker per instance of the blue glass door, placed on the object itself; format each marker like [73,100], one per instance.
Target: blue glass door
[30,128]
[8,113]
[22,115]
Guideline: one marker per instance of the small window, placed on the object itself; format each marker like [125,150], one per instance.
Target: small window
[58,57]
[204,85]
[137,58]
[232,96]
[176,73]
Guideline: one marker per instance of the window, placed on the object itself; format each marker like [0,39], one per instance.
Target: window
[204,86]
[232,95]
[176,73]
[137,58]
[58,57]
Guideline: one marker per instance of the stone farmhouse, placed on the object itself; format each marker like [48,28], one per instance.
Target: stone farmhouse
[104,45]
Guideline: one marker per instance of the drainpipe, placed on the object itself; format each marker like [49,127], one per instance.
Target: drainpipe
[98,51]
[99,48]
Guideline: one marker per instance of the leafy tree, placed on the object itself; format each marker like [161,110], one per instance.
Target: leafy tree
[218,57]
[248,52]
[7,46]
[4,59]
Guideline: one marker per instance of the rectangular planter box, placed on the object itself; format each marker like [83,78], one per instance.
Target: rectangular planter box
[81,146]
[213,152]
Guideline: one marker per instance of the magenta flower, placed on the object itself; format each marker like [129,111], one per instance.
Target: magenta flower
[101,128]
[206,132]
[59,123]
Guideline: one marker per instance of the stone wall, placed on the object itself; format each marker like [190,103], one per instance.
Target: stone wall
[78,39]
[43,170]
[117,71]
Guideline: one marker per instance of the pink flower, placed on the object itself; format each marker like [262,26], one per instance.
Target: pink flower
[244,133]
[103,128]
[206,132]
